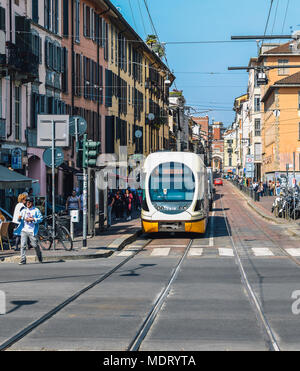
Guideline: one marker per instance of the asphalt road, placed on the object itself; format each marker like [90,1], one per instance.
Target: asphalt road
[207,308]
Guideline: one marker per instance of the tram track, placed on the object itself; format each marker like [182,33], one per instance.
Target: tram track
[47,316]
[260,314]
[143,330]
[267,235]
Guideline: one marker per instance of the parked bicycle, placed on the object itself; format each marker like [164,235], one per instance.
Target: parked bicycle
[62,236]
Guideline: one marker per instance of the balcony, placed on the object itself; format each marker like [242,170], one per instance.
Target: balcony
[22,63]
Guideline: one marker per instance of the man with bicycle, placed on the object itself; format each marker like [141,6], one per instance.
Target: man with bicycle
[30,217]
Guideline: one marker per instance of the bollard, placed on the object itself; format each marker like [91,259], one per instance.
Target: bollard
[2,302]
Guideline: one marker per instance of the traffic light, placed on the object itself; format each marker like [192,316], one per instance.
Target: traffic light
[90,152]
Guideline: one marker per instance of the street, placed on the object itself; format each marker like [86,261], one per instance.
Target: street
[208,305]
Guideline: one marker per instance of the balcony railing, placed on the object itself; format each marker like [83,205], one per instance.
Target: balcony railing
[22,61]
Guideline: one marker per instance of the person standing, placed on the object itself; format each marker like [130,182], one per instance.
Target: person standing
[128,203]
[119,205]
[73,202]
[30,217]
[140,197]
[110,204]
[17,212]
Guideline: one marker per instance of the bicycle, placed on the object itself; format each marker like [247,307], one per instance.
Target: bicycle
[62,236]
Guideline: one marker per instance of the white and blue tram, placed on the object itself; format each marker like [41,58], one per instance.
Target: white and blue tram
[175,193]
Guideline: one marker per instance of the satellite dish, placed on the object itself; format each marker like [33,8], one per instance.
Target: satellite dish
[151,117]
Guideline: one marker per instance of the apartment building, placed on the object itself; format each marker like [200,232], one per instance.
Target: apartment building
[255,118]
[80,58]
[280,98]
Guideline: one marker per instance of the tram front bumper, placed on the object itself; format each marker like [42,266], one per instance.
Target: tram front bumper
[198,226]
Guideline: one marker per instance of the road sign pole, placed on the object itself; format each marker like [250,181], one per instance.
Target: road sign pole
[84,226]
[53,182]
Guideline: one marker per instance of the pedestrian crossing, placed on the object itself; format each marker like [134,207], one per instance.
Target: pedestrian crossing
[209,251]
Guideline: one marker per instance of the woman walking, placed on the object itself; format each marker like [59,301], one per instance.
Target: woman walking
[17,212]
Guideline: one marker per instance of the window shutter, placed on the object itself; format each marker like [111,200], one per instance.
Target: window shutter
[35,11]
[2,19]
[66,18]
[47,52]
[84,20]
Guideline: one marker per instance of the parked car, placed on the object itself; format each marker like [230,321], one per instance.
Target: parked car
[218,181]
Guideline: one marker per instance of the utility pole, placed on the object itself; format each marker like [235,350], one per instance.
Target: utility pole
[89,159]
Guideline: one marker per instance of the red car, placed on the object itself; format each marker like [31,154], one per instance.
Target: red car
[218,181]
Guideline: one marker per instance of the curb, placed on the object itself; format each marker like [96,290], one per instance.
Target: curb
[117,245]
[267,217]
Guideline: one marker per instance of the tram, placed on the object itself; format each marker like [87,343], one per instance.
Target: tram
[175,197]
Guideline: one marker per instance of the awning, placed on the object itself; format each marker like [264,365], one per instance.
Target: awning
[69,169]
[11,179]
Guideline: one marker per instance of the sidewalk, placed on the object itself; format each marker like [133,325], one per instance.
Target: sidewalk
[100,246]
[264,207]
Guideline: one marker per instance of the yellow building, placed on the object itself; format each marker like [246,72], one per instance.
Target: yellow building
[137,84]
[281,110]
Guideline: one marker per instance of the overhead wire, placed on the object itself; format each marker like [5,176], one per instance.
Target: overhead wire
[132,14]
[285,16]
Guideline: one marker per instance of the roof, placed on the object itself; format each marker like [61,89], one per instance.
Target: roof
[290,81]
[12,179]
[282,49]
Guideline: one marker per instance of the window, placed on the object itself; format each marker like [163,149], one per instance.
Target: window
[230,161]
[66,18]
[17,112]
[77,21]
[257,131]
[0,98]
[112,33]
[35,11]
[257,103]
[51,15]
[36,45]
[2,18]
[284,70]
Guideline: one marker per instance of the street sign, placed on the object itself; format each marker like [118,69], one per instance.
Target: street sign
[16,158]
[44,130]
[58,157]
[81,125]
[138,134]
[249,159]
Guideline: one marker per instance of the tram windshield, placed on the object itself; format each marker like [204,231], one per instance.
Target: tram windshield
[171,182]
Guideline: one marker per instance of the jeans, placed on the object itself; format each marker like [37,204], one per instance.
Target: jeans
[33,241]
[109,208]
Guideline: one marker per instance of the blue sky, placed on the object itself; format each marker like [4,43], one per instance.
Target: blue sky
[210,20]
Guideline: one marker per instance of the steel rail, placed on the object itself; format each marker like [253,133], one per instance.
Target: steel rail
[21,334]
[253,298]
[295,260]
[145,327]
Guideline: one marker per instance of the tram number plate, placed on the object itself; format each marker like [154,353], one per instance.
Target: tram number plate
[171,227]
